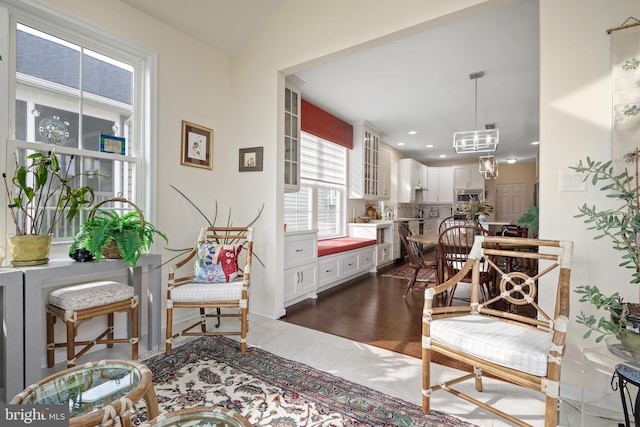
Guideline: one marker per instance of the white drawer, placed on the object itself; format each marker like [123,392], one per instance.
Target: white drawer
[349,264]
[300,249]
[367,258]
[328,271]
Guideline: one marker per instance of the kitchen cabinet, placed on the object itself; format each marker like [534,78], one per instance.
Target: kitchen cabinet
[467,176]
[292,105]
[364,162]
[440,185]
[411,181]
[384,173]
[300,266]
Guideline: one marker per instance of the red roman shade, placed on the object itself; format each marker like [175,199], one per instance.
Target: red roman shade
[318,122]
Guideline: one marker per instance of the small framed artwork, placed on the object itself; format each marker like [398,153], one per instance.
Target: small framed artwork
[197,146]
[112,144]
[250,159]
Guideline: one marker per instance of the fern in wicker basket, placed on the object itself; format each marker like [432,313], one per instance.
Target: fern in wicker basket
[108,234]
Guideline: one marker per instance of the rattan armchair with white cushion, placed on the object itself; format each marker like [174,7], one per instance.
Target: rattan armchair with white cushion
[525,350]
[215,274]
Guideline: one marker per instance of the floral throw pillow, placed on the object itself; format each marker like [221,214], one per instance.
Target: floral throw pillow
[216,263]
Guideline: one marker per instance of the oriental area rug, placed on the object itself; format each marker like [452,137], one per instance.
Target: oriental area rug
[271,391]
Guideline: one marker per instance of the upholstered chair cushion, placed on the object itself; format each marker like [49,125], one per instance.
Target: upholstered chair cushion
[497,341]
[197,292]
[88,295]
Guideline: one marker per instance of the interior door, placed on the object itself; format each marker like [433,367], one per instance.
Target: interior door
[511,201]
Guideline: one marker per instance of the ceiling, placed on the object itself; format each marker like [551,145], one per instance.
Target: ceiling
[420,83]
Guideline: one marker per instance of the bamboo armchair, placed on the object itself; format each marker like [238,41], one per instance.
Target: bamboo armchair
[215,274]
[525,351]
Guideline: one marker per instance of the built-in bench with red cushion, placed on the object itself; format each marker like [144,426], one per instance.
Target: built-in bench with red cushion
[342,244]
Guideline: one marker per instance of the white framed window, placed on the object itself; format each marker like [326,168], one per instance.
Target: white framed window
[85,84]
[321,201]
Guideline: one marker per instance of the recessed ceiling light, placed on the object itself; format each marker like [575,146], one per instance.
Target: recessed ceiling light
[400,143]
[429,145]
[511,161]
[412,132]
[535,143]
[443,155]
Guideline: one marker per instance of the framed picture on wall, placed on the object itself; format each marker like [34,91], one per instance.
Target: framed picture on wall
[197,146]
[250,159]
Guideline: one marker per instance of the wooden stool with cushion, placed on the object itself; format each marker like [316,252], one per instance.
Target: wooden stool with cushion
[79,303]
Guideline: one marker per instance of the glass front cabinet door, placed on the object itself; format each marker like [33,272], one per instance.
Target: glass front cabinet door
[291,136]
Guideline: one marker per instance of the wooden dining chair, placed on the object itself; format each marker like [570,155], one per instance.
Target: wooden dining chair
[415,253]
[454,244]
[450,221]
[523,350]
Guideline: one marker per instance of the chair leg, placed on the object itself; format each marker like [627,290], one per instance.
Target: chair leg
[110,329]
[169,333]
[243,330]
[51,352]
[71,343]
[411,282]
[134,332]
[426,379]
[551,412]
[203,321]
[450,296]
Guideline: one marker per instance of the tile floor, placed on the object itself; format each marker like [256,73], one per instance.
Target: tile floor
[385,371]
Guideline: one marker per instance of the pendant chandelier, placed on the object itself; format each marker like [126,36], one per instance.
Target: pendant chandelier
[479,140]
[488,167]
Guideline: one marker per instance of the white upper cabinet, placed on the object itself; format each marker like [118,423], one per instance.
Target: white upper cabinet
[292,104]
[411,180]
[467,176]
[384,171]
[440,185]
[364,162]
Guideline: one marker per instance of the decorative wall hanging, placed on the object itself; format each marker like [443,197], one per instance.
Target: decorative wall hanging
[250,159]
[197,146]
[625,76]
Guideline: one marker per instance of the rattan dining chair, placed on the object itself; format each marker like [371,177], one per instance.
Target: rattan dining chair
[523,350]
[415,253]
[216,274]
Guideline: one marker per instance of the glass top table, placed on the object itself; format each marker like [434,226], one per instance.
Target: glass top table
[200,416]
[95,389]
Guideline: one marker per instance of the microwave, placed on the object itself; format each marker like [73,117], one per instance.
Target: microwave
[463,196]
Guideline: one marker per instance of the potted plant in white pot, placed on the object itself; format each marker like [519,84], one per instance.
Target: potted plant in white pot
[622,225]
[40,195]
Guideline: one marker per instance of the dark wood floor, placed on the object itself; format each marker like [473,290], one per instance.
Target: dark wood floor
[369,309]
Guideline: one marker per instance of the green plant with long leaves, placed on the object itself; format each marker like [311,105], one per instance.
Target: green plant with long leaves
[621,224]
[211,223]
[40,186]
[602,326]
[132,234]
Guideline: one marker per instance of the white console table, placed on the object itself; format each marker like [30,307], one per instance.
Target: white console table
[12,344]
[40,280]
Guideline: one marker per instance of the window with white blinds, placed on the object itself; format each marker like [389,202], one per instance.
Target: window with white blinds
[321,200]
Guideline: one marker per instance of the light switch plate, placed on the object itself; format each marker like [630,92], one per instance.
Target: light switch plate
[572,181]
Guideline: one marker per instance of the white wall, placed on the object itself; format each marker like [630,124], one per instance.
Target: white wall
[575,122]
